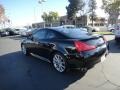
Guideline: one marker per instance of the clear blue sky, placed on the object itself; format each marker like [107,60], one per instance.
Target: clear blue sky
[23,12]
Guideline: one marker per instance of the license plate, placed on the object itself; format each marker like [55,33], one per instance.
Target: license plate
[103,58]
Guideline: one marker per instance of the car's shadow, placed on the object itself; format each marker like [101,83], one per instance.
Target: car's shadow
[114,47]
[19,72]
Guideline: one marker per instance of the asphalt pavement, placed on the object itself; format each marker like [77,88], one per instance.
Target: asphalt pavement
[18,72]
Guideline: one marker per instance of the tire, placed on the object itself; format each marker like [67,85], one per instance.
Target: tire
[112,30]
[59,62]
[93,30]
[25,50]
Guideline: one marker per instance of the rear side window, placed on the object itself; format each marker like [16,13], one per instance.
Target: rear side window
[74,33]
[51,35]
[41,34]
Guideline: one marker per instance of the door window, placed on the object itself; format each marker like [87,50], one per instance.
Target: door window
[41,34]
[51,35]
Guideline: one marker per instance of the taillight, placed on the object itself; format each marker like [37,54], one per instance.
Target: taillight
[81,46]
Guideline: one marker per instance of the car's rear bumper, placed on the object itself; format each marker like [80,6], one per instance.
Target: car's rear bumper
[75,62]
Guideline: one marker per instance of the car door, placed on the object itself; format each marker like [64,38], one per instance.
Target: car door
[46,43]
[49,42]
[38,40]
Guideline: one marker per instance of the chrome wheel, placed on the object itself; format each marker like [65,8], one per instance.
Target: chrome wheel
[24,49]
[59,63]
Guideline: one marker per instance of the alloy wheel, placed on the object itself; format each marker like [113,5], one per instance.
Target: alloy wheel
[24,49]
[59,63]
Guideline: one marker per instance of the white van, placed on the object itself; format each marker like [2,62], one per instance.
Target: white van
[117,32]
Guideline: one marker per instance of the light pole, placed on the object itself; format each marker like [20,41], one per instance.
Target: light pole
[40,2]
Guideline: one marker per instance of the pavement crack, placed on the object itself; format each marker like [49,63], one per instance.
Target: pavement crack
[109,81]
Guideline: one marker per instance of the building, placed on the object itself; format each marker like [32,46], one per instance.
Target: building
[79,22]
[118,21]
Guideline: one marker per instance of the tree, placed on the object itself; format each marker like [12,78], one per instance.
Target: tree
[116,4]
[74,7]
[112,8]
[3,18]
[50,17]
[45,17]
[92,8]
[2,13]
[2,10]
[53,16]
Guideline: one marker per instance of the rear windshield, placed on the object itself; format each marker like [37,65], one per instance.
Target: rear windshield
[73,33]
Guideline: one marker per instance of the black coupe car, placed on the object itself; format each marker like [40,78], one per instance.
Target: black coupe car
[66,48]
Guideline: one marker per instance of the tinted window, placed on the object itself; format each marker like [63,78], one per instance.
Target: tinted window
[73,33]
[55,34]
[51,35]
[41,34]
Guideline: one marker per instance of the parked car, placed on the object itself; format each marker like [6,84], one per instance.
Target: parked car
[92,29]
[117,32]
[66,48]
[17,31]
[23,32]
[88,29]
[111,28]
[11,31]
[67,26]
[95,29]
[4,33]
[26,32]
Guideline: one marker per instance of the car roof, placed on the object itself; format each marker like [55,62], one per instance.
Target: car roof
[62,29]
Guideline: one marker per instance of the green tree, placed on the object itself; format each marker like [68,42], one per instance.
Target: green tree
[45,17]
[53,16]
[73,8]
[112,7]
[92,8]
[50,17]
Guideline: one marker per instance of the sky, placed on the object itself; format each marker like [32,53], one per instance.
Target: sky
[25,12]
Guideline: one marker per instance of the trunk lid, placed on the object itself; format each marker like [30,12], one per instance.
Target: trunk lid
[96,40]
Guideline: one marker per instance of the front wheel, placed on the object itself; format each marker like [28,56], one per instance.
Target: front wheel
[25,50]
[59,62]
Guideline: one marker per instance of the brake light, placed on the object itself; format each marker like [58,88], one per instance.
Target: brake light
[81,46]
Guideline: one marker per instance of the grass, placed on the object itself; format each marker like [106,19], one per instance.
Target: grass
[103,33]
